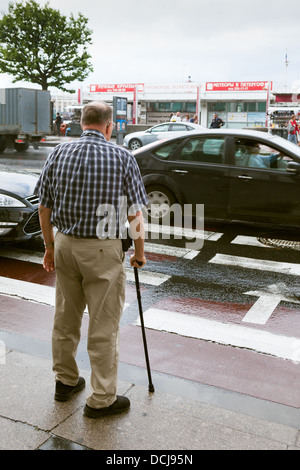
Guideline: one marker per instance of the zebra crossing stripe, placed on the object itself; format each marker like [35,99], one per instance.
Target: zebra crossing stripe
[25,290]
[249,241]
[180,232]
[157,248]
[30,291]
[147,277]
[251,263]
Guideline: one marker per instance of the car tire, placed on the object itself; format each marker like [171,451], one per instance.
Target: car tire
[135,144]
[21,146]
[2,144]
[161,199]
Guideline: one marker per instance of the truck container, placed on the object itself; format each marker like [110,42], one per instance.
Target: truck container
[24,117]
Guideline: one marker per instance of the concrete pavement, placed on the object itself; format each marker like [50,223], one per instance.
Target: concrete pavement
[180,415]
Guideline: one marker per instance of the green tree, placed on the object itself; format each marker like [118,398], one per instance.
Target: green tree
[39,45]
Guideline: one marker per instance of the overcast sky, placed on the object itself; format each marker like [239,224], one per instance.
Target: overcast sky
[165,41]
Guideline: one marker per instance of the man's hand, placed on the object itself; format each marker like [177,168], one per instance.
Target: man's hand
[137,262]
[47,230]
[48,262]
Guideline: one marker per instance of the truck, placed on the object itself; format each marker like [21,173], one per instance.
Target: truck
[25,117]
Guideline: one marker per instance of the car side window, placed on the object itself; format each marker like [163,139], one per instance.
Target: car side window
[158,129]
[178,127]
[203,149]
[256,154]
[165,150]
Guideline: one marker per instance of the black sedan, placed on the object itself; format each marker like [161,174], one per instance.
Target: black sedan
[19,218]
[238,175]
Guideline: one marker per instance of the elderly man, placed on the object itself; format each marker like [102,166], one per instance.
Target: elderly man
[84,190]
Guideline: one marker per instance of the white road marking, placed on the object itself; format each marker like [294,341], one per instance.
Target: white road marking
[160,249]
[251,263]
[249,241]
[29,291]
[223,333]
[263,308]
[267,302]
[180,232]
[147,277]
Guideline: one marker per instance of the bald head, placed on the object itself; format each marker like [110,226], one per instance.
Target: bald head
[96,114]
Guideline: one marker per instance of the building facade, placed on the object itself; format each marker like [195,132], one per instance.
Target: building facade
[238,104]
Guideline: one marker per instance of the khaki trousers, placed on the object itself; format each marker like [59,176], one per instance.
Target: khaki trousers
[89,272]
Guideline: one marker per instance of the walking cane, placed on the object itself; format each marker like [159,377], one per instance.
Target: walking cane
[138,292]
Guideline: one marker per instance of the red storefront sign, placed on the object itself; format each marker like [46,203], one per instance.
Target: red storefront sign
[237,86]
[116,88]
[288,98]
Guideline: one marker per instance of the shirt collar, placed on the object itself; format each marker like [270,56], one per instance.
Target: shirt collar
[93,132]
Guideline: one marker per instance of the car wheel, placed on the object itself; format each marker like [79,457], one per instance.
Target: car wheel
[21,146]
[160,200]
[135,144]
[2,144]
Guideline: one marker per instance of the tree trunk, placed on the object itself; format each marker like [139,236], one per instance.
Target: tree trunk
[44,83]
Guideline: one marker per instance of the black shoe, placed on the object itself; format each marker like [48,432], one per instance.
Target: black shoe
[65,392]
[119,406]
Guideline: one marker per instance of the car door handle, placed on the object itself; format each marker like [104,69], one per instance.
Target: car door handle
[243,177]
[180,172]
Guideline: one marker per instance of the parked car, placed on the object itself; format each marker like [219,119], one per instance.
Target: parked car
[239,175]
[136,140]
[19,219]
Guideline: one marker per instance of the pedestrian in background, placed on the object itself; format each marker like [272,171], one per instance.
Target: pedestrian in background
[79,190]
[217,122]
[176,117]
[293,130]
[58,121]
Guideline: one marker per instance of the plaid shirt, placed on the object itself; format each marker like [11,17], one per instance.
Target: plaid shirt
[90,184]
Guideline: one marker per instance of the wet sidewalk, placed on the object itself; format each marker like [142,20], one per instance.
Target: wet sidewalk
[179,415]
[53,140]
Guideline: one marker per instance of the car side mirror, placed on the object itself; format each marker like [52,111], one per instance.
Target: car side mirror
[293,167]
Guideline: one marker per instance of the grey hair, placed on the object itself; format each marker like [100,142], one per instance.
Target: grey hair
[96,112]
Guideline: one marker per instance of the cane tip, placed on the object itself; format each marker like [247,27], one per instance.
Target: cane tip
[151,388]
